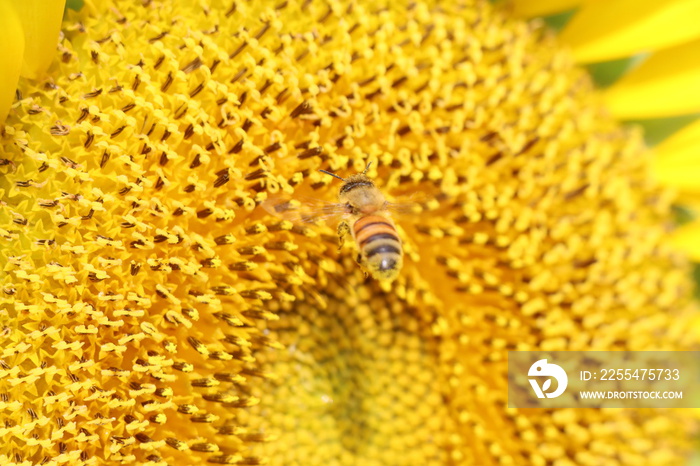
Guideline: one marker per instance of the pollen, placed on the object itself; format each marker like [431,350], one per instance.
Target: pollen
[153,313]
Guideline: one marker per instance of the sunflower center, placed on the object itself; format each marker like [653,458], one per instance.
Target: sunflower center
[155,312]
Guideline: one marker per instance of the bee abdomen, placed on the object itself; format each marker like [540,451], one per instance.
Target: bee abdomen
[380,245]
[373,230]
[383,249]
[376,237]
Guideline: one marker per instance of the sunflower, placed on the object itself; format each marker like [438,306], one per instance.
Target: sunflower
[153,313]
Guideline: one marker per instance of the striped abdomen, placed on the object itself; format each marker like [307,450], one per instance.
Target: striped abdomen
[380,246]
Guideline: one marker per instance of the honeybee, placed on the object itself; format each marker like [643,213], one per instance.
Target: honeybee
[365,214]
[373,230]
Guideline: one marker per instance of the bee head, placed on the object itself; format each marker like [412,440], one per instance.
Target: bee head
[359,192]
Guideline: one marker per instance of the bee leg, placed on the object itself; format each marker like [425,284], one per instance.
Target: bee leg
[361,263]
[343,229]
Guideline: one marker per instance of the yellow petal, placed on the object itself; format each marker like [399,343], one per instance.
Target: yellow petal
[682,147]
[529,8]
[12,40]
[41,21]
[685,178]
[677,160]
[664,85]
[687,238]
[610,29]
[680,177]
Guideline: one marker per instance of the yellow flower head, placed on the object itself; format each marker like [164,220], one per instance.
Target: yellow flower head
[153,313]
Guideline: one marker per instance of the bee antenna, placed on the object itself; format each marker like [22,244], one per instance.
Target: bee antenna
[332,174]
[366,168]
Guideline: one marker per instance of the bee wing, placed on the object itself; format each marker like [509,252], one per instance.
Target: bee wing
[408,205]
[404,208]
[304,210]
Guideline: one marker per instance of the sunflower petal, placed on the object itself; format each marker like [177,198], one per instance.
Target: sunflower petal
[528,8]
[678,176]
[664,85]
[606,30]
[687,239]
[41,21]
[682,147]
[677,160]
[12,38]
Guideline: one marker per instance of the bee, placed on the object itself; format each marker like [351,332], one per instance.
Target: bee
[368,219]
[365,213]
